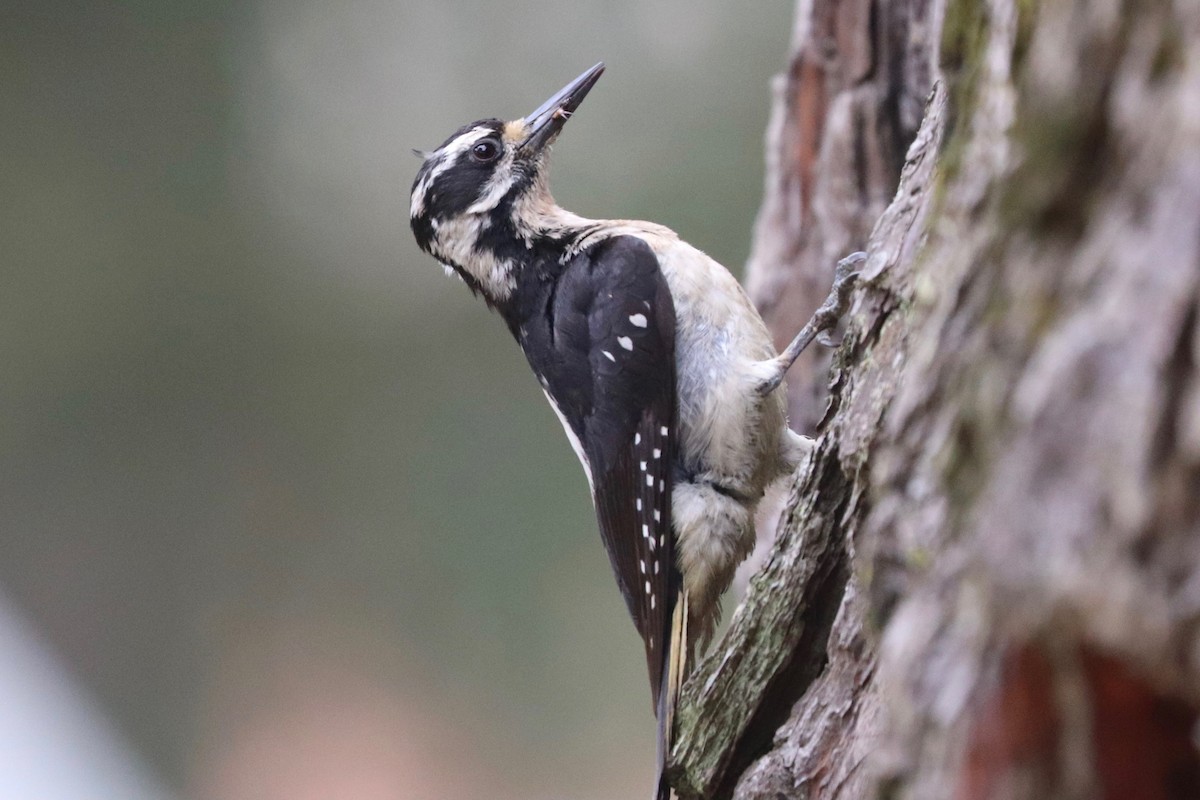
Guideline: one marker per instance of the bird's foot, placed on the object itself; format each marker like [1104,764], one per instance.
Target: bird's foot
[825,318]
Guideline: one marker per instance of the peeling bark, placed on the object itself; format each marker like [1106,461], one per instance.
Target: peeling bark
[987,579]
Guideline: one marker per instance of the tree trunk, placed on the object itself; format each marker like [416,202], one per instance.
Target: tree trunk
[987,578]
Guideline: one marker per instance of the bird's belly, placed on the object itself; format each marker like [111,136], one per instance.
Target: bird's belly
[728,434]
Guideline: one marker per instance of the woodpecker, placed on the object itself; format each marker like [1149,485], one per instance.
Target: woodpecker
[658,366]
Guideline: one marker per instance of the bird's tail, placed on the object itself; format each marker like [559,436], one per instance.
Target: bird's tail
[674,671]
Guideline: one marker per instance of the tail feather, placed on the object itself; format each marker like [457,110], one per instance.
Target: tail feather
[674,671]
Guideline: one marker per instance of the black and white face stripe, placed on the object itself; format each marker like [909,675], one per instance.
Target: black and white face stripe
[451,180]
[461,207]
[452,153]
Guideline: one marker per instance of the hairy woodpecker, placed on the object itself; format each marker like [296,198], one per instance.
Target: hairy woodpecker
[658,366]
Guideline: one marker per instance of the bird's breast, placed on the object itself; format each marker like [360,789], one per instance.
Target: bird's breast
[726,430]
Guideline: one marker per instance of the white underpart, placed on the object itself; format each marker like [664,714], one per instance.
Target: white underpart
[575,444]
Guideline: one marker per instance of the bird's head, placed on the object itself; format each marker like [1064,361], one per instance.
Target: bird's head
[483,196]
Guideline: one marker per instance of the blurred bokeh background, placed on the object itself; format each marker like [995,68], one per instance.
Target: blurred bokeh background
[283,513]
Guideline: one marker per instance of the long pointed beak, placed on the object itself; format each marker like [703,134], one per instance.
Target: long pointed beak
[545,123]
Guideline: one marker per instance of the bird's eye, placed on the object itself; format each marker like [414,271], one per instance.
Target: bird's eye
[485,151]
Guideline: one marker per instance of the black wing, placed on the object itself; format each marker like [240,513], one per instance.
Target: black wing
[613,316]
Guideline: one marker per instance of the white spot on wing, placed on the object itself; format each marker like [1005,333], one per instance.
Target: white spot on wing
[657,453]
[649,480]
[625,342]
[638,319]
[609,355]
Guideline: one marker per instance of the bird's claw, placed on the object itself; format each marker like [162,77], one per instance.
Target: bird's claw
[848,268]
[825,318]
[826,338]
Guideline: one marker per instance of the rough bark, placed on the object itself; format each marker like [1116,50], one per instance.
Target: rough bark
[844,113]
[987,580]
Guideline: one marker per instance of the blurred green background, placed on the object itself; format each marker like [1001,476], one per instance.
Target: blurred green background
[285,500]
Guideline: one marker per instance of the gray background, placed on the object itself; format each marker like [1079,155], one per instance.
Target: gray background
[282,499]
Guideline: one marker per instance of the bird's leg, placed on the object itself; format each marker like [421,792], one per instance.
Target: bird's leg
[824,318]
